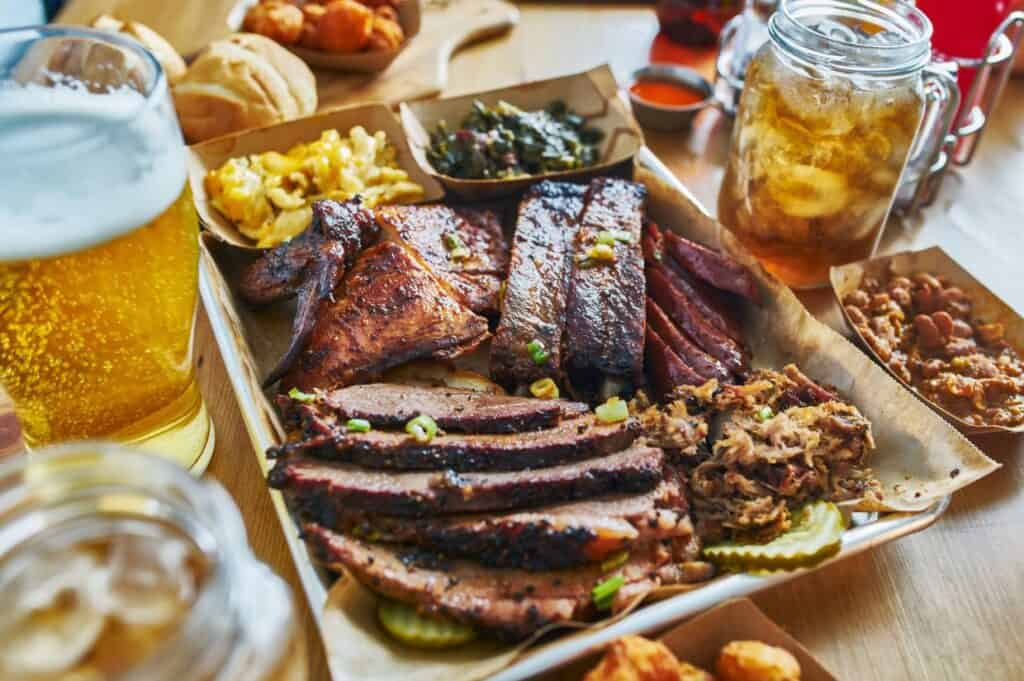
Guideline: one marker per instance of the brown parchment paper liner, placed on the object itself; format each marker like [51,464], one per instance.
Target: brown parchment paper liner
[592,94]
[987,306]
[355,644]
[212,154]
[917,453]
[409,16]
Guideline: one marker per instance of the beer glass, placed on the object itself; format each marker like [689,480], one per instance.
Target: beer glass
[98,247]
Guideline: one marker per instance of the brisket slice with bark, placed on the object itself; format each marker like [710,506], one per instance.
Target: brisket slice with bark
[572,440]
[511,603]
[340,487]
[392,405]
[604,317]
[533,308]
[549,538]
[433,229]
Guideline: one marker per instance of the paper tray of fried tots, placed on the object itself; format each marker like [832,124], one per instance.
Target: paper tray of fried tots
[918,461]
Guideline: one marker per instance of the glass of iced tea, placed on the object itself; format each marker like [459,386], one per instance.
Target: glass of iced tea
[830,110]
[116,564]
[99,247]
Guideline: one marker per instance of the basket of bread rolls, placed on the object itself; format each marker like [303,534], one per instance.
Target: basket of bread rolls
[239,82]
[345,35]
[242,81]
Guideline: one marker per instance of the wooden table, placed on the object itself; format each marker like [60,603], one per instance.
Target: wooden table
[944,604]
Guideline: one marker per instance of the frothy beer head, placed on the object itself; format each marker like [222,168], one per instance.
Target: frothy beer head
[89,142]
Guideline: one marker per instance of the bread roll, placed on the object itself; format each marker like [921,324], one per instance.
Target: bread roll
[172,63]
[243,81]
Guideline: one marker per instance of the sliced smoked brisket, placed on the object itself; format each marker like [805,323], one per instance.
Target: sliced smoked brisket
[391,405]
[335,488]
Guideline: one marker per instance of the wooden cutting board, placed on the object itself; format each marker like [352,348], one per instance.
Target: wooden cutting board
[420,71]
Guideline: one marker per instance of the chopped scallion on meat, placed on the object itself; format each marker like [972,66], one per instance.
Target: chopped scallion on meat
[358,425]
[604,593]
[612,411]
[538,353]
[544,388]
[300,396]
[422,428]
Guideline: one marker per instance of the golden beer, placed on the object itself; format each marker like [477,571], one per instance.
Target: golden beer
[99,275]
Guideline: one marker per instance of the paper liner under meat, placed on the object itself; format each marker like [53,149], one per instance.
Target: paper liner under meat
[919,458]
[986,306]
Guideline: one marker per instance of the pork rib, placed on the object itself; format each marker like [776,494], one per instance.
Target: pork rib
[604,318]
[533,308]
[389,309]
[336,488]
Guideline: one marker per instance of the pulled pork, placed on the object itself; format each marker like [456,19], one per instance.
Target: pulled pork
[775,442]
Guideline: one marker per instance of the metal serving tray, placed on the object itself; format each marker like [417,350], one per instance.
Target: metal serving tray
[868,530]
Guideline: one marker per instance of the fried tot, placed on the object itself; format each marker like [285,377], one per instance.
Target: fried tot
[345,27]
[756,661]
[634,658]
[279,21]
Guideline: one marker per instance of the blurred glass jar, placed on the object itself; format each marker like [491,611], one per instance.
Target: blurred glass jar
[696,23]
[830,109]
[117,564]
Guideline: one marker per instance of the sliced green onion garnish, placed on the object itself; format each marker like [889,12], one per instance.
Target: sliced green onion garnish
[612,411]
[603,593]
[460,253]
[615,561]
[300,396]
[601,252]
[612,236]
[358,425]
[452,241]
[537,352]
[422,428]
[544,388]
[595,255]
[764,413]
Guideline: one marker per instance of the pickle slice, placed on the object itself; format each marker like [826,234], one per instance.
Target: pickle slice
[816,534]
[421,631]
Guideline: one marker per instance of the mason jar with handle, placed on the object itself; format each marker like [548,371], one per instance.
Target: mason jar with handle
[831,107]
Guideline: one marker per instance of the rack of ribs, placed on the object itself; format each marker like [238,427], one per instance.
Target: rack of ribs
[604,315]
[533,309]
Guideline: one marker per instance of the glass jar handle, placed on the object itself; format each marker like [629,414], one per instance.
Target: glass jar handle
[929,154]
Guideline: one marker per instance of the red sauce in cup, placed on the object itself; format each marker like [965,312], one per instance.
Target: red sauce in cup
[666,93]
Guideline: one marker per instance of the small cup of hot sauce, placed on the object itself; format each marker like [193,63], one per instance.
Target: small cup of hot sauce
[667,97]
